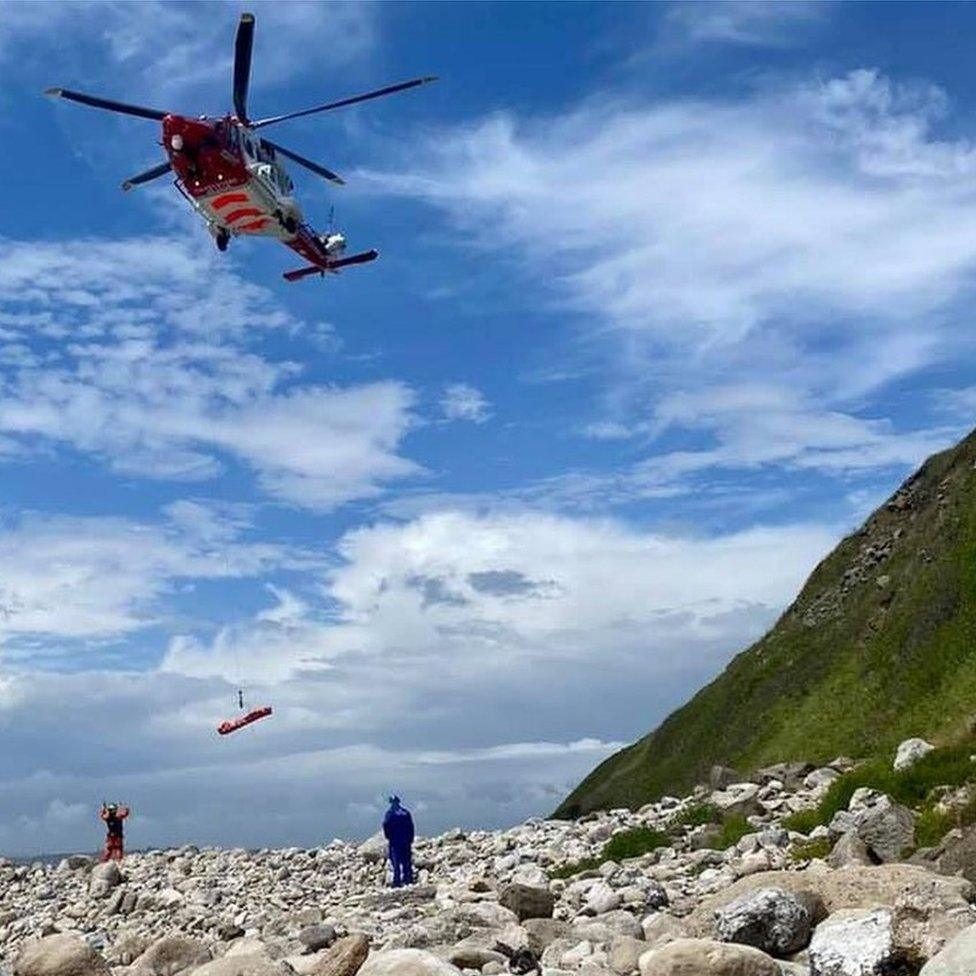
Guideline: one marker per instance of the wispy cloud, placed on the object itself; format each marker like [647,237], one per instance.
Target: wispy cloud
[778,260]
[64,578]
[461,401]
[99,43]
[147,367]
[749,23]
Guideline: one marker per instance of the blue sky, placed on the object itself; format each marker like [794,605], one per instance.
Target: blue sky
[669,297]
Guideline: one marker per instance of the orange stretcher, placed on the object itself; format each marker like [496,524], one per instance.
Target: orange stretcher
[255,715]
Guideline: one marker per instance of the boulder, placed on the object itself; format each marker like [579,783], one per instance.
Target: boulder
[542,932]
[407,962]
[777,922]
[886,828]
[527,901]
[958,956]
[171,955]
[820,779]
[104,877]
[60,955]
[472,954]
[655,897]
[244,960]
[933,908]
[552,957]
[375,848]
[603,928]
[910,751]
[625,953]
[576,955]
[956,854]
[737,799]
[344,958]
[601,898]
[485,915]
[127,949]
[790,774]
[858,942]
[702,957]
[850,849]
[662,927]
[317,936]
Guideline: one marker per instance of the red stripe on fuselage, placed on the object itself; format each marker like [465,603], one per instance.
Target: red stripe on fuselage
[255,225]
[227,198]
[243,212]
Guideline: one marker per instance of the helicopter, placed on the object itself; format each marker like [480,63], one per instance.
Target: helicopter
[234,178]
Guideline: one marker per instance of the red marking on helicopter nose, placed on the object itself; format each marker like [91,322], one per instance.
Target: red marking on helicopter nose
[255,224]
[225,199]
[243,212]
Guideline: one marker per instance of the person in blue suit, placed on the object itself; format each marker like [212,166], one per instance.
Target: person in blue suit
[398,830]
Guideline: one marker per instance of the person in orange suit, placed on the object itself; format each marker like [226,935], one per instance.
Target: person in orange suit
[114,815]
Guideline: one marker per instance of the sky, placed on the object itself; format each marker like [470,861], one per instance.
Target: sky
[670,296]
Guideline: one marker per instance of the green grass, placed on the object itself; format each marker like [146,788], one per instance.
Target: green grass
[571,868]
[697,815]
[912,787]
[811,849]
[634,843]
[933,824]
[803,821]
[623,845]
[849,669]
[734,828]
[642,840]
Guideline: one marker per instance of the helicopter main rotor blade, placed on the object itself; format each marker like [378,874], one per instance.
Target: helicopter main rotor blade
[389,90]
[150,174]
[95,102]
[307,163]
[243,46]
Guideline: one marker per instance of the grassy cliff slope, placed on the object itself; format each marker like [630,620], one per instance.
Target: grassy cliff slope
[879,645]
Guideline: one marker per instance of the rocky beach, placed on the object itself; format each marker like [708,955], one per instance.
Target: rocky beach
[724,887]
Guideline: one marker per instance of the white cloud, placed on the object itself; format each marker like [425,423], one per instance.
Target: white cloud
[451,596]
[462,401]
[819,242]
[102,42]
[227,792]
[146,366]
[752,23]
[448,658]
[65,578]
